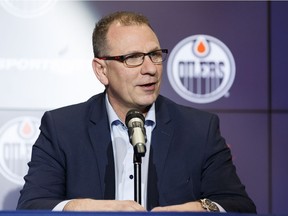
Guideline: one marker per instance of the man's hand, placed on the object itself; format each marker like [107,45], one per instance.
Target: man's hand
[102,205]
[190,206]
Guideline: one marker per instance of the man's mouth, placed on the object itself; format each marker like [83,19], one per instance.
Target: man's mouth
[148,86]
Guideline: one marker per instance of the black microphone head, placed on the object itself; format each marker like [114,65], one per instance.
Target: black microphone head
[134,113]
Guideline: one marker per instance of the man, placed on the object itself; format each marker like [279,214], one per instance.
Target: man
[83,161]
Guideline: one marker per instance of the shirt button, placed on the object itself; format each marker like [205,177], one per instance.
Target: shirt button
[131,176]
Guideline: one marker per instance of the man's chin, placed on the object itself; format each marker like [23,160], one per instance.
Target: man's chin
[146,102]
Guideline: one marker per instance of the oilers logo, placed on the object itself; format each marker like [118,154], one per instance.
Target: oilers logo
[201,69]
[16,139]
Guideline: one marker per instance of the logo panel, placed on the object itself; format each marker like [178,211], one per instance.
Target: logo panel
[16,139]
[201,69]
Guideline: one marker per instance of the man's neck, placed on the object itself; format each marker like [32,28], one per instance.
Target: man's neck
[121,111]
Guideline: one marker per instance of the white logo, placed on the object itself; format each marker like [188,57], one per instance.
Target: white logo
[201,69]
[27,8]
[16,139]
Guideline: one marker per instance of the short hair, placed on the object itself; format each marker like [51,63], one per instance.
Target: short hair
[125,18]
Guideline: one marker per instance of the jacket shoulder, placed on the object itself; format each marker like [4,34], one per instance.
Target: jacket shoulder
[178,110]
[79,109]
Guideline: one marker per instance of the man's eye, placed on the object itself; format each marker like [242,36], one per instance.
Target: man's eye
[156,54]
[136,55]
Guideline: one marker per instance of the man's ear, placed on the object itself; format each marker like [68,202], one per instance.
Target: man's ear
[100,70]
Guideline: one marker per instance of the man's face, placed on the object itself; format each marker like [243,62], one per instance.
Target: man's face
[136,87]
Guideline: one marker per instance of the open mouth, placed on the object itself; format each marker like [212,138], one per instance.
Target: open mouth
[149,86]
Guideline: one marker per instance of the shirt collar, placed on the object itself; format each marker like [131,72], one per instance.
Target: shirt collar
[150,118]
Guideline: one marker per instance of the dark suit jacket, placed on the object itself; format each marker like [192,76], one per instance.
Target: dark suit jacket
[189,160]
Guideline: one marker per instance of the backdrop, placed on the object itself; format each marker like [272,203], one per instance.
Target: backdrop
[224,57]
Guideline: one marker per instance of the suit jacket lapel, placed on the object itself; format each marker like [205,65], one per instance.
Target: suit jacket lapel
[99,132]
[161,139]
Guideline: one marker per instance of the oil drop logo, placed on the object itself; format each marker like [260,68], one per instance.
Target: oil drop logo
[201,69]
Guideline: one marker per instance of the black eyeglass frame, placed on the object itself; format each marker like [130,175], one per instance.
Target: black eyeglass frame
[123,58]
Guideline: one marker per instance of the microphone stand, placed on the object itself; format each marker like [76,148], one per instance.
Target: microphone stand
[139,152]
[137,160]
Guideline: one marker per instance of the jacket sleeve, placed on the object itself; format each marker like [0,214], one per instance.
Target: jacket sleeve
[220,180]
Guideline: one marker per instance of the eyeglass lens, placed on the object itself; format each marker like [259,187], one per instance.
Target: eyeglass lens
[157,56]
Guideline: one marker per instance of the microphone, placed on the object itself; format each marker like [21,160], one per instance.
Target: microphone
[136,131]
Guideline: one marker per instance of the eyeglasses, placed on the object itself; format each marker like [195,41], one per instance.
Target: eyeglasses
[137,59]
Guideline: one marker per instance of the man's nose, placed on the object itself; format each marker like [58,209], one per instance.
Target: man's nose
[148,66]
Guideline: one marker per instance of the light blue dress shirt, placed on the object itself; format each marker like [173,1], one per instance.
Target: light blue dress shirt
[123,155]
